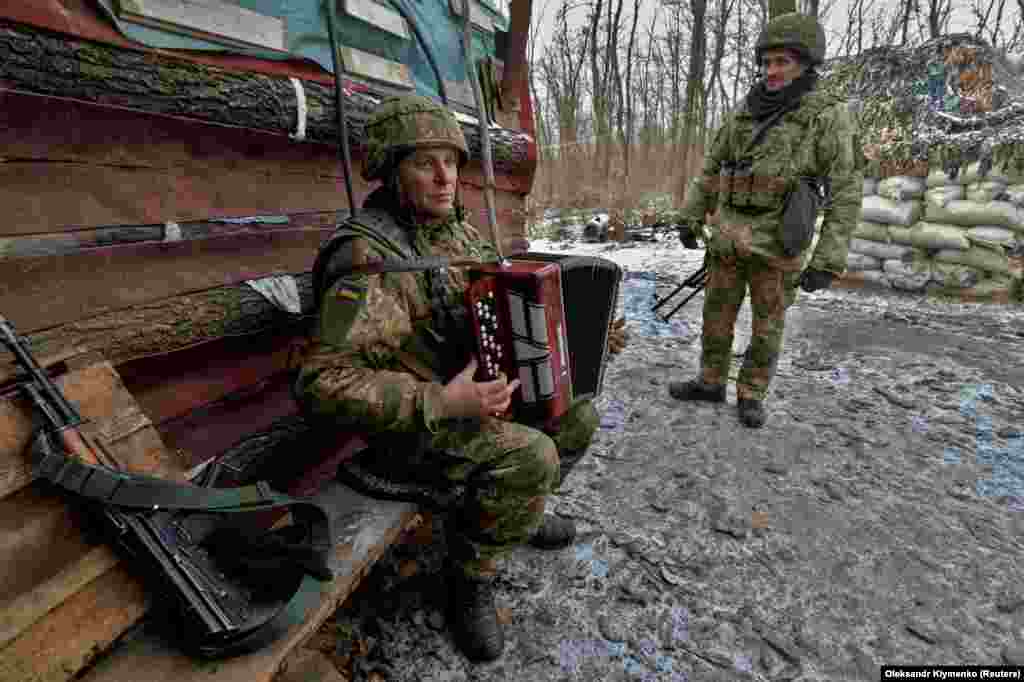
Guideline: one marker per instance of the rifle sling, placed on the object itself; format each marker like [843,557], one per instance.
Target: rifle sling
[138,491]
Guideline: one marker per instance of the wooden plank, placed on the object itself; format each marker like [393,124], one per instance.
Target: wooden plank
[477,15]
[45,198]
[210,429]
[376,14]
[68,638]
[308,665]
[36,293]
[113,416]
[40,535]
[371,66]
[211,20]
[171,385]
[364,529]
[27,608]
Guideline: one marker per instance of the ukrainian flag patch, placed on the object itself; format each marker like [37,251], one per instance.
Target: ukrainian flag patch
[351,293]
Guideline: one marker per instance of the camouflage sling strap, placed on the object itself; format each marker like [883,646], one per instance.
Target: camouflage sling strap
[297,563]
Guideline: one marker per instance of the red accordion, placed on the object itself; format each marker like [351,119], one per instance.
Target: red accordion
[544,319]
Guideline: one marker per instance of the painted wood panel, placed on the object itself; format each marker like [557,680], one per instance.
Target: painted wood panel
[213,20]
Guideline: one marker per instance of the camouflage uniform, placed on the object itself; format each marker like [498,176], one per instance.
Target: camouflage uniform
[387,343]
[815,139]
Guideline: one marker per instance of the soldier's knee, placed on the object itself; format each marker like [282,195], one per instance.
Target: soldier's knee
[544,459]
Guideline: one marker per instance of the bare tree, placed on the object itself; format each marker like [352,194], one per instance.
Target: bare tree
[695,96]
[626,96]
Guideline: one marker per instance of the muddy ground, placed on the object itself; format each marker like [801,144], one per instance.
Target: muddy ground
[872,520]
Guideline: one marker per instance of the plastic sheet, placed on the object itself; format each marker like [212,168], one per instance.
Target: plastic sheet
[638,295]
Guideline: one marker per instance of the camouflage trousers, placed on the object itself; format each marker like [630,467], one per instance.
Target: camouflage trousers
[508,470]
[772,291]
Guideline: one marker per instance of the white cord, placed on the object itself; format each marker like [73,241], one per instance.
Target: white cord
[300,97]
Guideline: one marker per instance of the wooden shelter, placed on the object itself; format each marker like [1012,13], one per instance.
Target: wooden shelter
[150,186]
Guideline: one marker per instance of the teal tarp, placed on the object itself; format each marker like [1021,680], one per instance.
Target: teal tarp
[307,37]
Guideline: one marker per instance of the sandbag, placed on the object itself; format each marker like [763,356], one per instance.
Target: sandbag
[876,232]
[999,288]
[858,262]
[953,275]
[988,190]
[901,187]
[1015,194]
[907,276]
[973,174]
[988,235]
[878,209]
[978,257]
[900,235]
[974,213]
[870,186]
[938,177]
[943,194]
[926,235]
[878,250]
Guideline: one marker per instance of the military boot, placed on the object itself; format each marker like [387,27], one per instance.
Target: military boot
[751,412]
[554,532]
[473,616]
[695,389]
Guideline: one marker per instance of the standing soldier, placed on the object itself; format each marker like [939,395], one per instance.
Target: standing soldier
[787,146]
[392,360]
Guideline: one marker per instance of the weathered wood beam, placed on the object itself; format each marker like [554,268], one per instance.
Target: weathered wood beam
[41,62]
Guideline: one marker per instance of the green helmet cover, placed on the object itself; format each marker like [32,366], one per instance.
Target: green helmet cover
[796,31]
[404,123]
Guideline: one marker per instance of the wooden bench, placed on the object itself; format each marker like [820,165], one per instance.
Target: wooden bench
[67,604]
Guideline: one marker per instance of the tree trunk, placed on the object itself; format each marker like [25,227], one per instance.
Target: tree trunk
[39,62]
[694,107]
[175,323]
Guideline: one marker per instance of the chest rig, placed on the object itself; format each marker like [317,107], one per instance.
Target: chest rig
[756,186]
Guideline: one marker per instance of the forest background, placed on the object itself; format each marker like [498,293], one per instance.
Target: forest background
[627,92]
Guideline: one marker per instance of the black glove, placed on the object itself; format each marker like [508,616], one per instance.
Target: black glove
[812,280]
[687,237]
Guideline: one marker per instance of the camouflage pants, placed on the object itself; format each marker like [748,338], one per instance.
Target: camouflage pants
[772,291]
[508,469]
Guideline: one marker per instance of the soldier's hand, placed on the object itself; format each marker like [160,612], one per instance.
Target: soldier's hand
[688,236]
[618,337]
[813,280]
[464,397]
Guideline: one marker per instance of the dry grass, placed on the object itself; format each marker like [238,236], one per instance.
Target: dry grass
[576,178]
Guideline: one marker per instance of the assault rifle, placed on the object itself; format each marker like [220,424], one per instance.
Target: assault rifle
[159,524]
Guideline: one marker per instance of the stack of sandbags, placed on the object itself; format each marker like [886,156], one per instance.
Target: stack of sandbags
[888,204]
[970,227]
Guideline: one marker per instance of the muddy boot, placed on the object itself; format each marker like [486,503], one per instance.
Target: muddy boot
[695,389]
[473,617]
[751,413]
[554,532]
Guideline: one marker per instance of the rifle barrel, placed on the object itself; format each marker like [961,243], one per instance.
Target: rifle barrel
[48,392]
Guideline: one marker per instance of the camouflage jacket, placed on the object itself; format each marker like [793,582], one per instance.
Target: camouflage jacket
[380,354]
[815,139]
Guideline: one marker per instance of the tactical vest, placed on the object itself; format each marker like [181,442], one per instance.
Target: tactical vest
[380,228]
[761,176]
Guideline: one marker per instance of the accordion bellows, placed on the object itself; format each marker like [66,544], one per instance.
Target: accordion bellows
[544,319]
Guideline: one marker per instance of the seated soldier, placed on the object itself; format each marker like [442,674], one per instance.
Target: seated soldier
[393,359]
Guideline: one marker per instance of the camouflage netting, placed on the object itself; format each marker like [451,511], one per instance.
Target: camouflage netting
[942,127]
[949,102]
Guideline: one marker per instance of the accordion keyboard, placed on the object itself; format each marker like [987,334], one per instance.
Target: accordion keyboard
[491,354]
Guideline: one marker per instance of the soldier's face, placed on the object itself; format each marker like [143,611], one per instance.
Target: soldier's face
[426,180]
[781,67]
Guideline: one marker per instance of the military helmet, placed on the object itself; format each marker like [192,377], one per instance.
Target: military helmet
[799,32]
[401,124]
